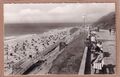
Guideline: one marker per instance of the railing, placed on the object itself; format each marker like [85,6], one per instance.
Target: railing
[83,62]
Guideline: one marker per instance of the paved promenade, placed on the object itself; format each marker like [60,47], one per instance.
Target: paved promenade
[109,49]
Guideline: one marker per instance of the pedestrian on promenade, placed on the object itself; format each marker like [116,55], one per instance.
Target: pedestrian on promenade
[110,30]
[93,41]
[95,54]
[98,29]
[98,62]
[93,37]
[99,44]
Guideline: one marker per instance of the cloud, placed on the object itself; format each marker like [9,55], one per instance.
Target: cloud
[30,12]
[55,12]
[65,9]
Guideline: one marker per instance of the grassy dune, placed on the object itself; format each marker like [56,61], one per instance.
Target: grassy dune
[68,62]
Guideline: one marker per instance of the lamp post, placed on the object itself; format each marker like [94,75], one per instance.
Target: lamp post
[84,20]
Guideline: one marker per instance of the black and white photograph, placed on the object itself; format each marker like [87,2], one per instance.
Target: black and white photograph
[59,38]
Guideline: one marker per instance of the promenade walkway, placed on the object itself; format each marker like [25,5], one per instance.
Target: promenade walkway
[109,49]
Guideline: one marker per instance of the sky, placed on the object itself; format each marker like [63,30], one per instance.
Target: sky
[56,12]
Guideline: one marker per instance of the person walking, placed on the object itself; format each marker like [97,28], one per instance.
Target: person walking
[99,44]
[110,30]
[98,62]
